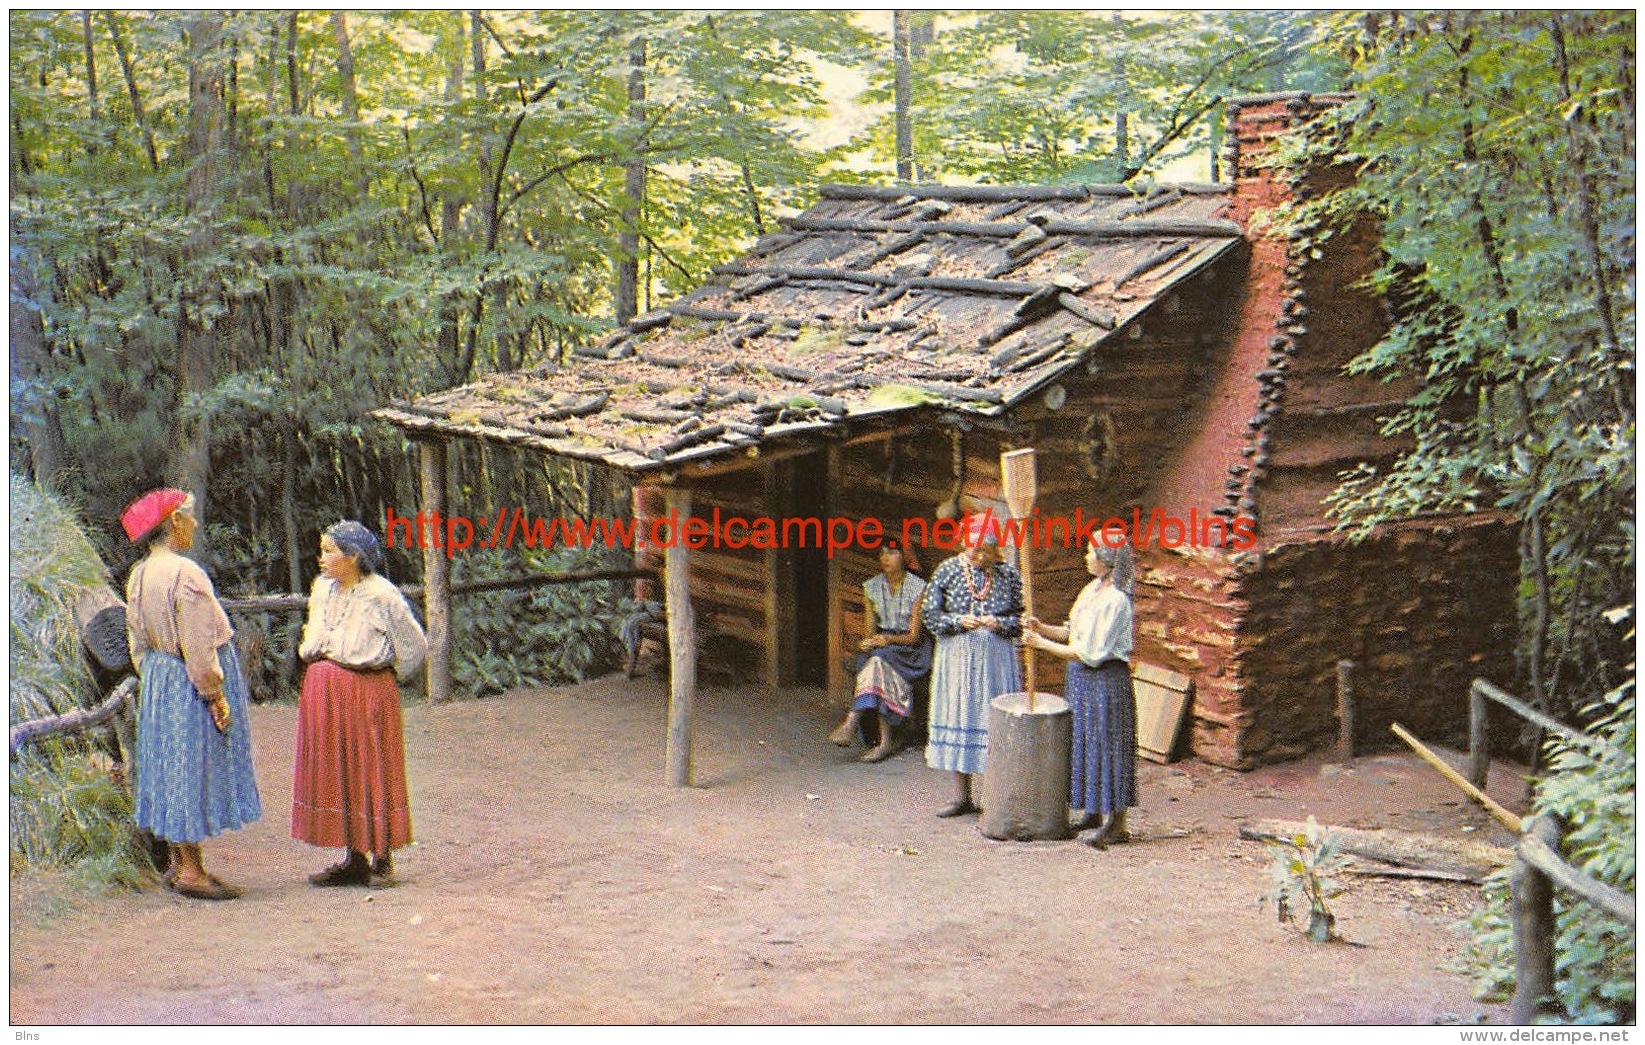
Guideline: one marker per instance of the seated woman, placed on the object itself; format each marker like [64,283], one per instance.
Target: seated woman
[895,655]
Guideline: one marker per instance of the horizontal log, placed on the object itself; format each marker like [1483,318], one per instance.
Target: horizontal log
[1553,725]
[1199,228]
[287,603]
[972,193]
[79,718]
[1475,860]
[1095,317]
[808,272]
[1153,261]
[1153,201]
[1544,858]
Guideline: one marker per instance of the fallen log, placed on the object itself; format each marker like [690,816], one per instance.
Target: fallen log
[1474,860]
[79,718]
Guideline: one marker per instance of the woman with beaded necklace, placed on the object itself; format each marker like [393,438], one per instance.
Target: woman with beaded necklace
[974,606]
[350,786]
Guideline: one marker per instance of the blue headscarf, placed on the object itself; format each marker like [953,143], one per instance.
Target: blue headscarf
[1119,559]
[352,538]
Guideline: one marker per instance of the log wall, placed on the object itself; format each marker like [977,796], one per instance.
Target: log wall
[1429,607]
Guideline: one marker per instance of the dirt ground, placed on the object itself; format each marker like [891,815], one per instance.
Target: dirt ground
[557,880]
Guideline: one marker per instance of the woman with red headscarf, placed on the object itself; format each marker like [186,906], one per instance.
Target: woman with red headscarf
[973,606]
[194,771]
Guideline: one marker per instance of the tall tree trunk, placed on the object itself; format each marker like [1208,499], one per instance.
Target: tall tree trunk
[231,141]
[502,352]
[279,304]
[903,91]
[94,139]
[1122,115]
[39,421]
[196,336]
[1588,212]
[448,343]
[288,505]
[351,102]
[137,110]
[627,295]
[294,94]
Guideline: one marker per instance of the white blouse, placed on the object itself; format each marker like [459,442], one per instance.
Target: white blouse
[367,627]
[171,607]
[1100,624]
[894,610]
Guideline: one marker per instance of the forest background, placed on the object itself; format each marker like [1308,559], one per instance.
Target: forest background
[233,234]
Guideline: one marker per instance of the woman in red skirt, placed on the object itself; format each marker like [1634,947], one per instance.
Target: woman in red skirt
[350,786]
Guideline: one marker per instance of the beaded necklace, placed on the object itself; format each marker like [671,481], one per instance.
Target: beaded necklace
[337,605]
[979,595]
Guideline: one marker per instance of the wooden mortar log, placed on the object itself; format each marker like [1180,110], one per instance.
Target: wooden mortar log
[1025,783]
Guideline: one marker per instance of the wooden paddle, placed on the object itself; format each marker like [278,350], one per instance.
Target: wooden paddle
[1017,475]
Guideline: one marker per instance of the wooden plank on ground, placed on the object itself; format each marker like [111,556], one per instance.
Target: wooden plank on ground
[1163,697]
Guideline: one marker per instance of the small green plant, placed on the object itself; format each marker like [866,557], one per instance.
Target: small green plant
[1305,867]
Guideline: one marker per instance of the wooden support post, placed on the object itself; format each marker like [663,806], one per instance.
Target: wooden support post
[1479,738]
[1532,905]
[436,575]
[682,640]
[1345,712]
[781,565]
[836,678]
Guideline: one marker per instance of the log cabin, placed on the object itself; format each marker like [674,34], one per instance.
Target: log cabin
[1174,354]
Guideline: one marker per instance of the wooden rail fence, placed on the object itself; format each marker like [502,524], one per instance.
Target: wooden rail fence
[114,705]
[1538,866]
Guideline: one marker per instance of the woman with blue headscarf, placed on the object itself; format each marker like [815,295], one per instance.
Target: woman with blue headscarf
[1096,643]
[350,785]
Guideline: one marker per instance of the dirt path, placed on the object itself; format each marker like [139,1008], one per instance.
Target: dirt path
[556,880]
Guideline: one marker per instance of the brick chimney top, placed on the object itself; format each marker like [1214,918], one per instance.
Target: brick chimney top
[1255,120]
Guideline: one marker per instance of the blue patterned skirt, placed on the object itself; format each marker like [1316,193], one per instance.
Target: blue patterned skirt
[910,663]
[1104,766]
[192,781]
[969,670]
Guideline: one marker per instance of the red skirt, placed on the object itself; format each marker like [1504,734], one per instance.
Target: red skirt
[350,787]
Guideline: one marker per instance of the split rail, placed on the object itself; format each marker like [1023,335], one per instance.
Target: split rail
[1538,866]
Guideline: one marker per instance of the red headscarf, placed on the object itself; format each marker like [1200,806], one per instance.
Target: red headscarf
[981,528]
[150,510]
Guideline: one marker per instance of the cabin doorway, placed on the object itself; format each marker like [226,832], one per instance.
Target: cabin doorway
[798,489]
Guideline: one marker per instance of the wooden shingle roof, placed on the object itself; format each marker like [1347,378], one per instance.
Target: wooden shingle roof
[874,302]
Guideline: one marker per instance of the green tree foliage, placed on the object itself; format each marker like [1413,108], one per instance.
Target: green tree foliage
[1023,96]
[384,203]
[1495,149]
[552,635]
[1592,792]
